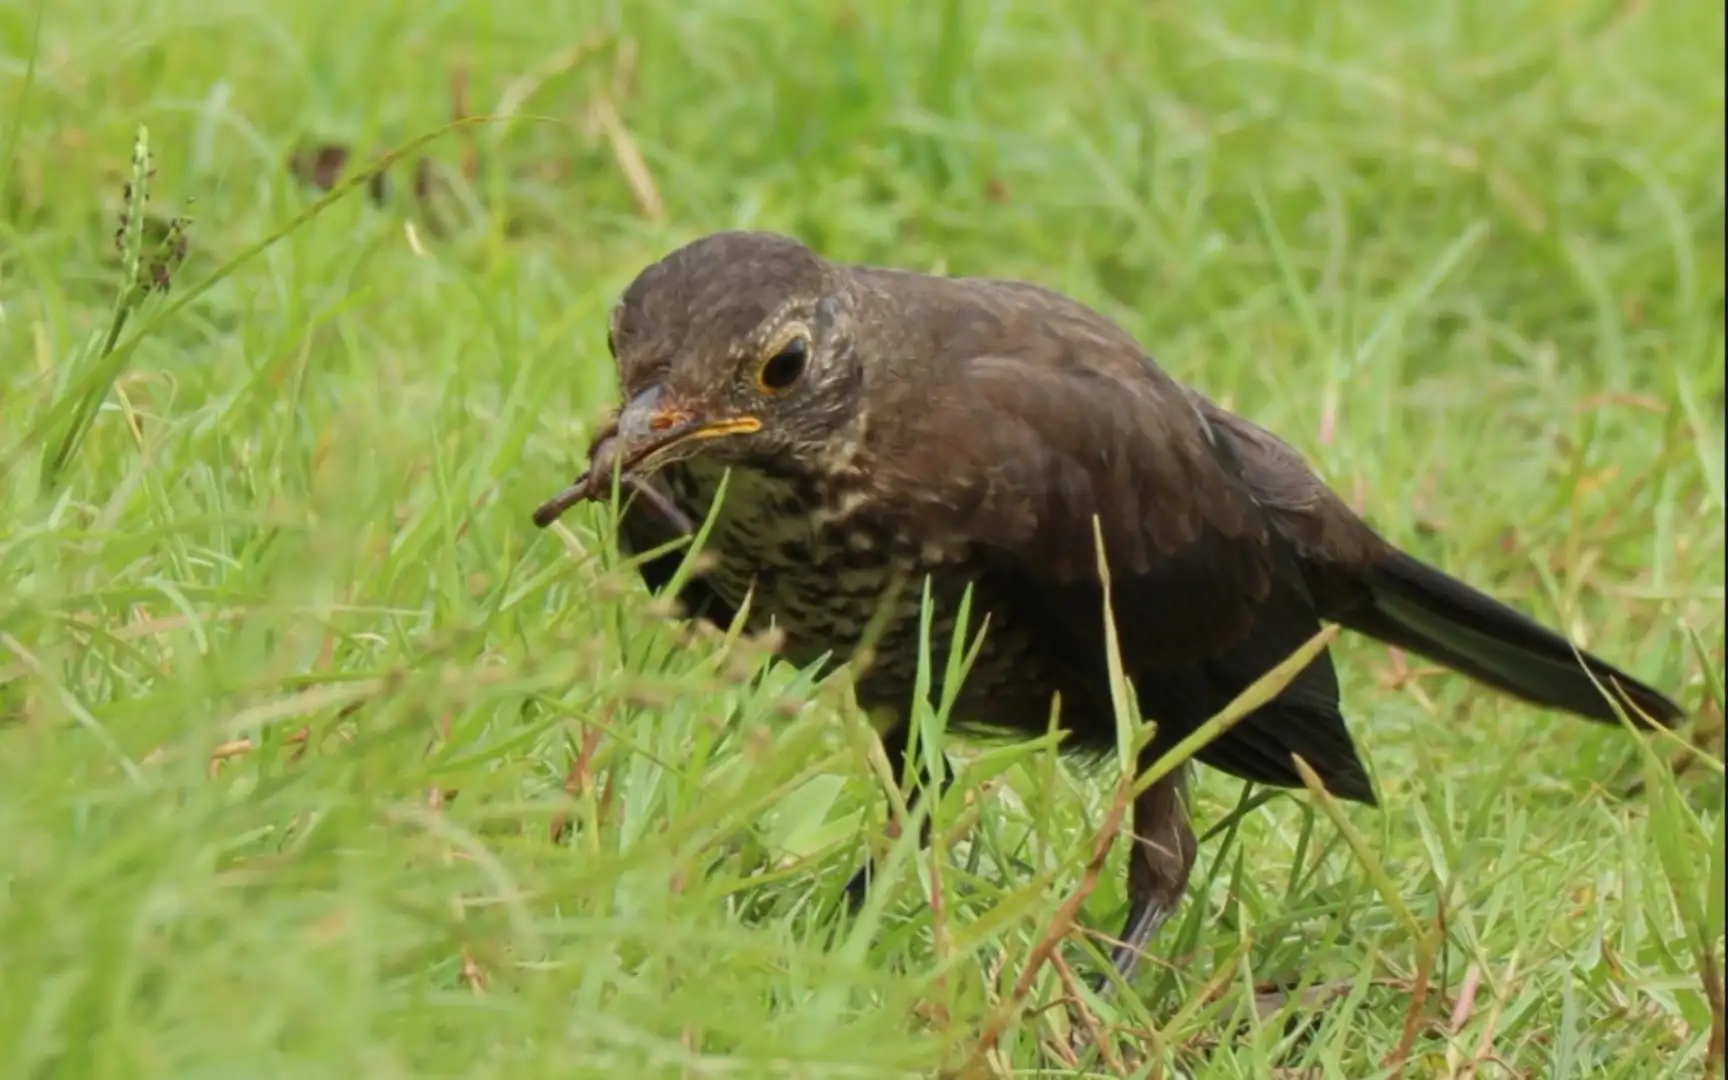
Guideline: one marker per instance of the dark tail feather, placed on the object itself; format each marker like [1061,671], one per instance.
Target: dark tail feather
[1432,614]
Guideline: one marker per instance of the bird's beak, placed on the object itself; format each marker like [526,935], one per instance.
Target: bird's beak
[644,430]
[647,427]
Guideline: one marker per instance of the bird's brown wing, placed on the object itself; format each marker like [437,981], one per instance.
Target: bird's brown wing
[1033,452]
[1206,595]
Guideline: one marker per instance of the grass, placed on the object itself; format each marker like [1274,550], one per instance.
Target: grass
[271,599]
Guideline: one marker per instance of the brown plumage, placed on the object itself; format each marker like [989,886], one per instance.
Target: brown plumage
[880,428]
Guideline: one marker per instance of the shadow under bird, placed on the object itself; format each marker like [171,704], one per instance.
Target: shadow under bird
[880,429]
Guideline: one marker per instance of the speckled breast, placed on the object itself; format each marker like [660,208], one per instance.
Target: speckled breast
[822,579]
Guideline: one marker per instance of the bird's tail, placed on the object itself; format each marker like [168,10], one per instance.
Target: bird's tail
[1428,612]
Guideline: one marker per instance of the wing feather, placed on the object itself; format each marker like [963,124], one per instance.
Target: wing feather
[1042,451]
[1207,595]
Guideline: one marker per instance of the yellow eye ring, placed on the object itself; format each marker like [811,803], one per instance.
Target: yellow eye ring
[784,366]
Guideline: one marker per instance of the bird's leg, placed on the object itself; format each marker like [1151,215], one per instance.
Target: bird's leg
[1159,864]
[894,746]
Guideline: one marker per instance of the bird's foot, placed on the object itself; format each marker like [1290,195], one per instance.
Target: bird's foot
[1145,918]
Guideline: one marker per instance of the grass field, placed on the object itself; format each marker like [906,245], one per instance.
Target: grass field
[317,760]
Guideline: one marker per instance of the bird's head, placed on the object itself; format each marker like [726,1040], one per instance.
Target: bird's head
[737,347]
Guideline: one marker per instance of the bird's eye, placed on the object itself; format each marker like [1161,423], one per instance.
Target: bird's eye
[784,368]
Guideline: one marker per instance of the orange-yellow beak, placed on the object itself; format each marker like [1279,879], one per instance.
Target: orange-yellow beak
[644,430]
[646,427]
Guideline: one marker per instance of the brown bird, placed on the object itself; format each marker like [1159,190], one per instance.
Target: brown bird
[878,429]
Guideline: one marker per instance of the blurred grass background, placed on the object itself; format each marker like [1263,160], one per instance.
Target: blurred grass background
[316,759]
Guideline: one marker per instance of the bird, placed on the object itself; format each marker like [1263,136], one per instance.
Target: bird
[863,441]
